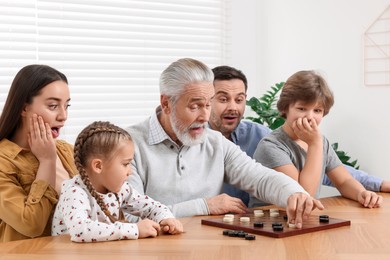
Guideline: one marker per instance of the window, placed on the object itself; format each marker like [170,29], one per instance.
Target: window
[111,51]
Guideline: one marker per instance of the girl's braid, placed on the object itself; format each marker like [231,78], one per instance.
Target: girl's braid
[82,153]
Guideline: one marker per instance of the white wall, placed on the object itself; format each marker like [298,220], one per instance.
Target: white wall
[245,44]
[273,39]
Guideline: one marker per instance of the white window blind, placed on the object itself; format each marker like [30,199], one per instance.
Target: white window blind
[111,51]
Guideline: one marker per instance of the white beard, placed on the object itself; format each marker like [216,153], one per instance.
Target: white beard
[182,132]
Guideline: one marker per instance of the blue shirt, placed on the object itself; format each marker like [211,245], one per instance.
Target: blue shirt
[246,135]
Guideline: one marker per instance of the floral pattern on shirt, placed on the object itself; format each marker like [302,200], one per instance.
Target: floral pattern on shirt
[78,214]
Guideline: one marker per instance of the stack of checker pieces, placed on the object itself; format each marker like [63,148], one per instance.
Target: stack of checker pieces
[272,223]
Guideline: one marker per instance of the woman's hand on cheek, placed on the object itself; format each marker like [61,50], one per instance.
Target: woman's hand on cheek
[40,139]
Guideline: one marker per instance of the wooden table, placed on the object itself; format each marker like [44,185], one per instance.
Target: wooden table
[368,237]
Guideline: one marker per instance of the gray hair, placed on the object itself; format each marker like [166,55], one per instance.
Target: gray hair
[177,76]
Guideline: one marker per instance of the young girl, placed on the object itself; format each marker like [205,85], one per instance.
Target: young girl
[298,148]
[91,205]
[32,163]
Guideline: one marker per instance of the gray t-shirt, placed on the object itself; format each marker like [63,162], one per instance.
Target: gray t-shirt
[277,149]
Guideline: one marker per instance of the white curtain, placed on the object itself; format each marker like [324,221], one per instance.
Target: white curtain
[111,51]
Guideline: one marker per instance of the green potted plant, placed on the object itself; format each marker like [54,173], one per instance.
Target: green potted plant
[268,115]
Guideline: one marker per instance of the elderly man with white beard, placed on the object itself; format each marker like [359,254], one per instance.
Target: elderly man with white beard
[182,163]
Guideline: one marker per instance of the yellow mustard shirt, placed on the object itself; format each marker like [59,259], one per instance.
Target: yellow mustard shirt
[26,204]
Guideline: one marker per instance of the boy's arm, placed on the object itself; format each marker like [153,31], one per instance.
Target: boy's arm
[369,182]
[343,181]
[310,175]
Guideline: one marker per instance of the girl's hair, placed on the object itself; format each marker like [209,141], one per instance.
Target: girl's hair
[308,87]
[181,73]
[27,84]
[97,139]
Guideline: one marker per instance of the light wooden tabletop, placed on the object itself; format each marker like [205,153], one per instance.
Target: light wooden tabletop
[368,237]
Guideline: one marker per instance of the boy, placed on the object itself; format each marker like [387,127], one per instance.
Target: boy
[298,148]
